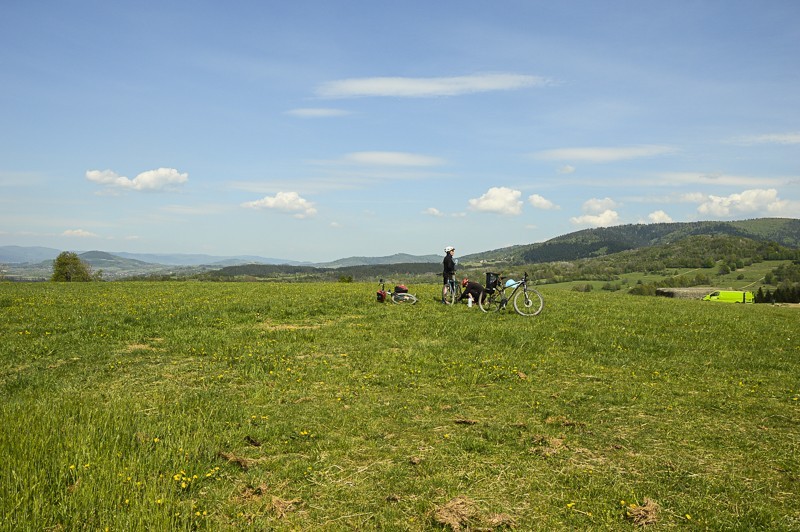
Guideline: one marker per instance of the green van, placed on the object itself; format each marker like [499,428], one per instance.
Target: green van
[730,296]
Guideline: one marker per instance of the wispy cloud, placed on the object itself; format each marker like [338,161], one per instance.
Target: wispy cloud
[499,200]
[404,87]
[391,158]
[79,233]
[772,138]
[195,210]
[317,112]
[718,179]
[288,202]
[603,155]
[566,169]
[596,205]
[151,180]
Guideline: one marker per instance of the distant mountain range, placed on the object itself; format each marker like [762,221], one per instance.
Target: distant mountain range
[397,258]
[33,263]
[602,241]
[36,262]
[20,254]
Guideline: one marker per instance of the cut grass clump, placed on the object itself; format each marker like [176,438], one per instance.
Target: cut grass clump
[644,514]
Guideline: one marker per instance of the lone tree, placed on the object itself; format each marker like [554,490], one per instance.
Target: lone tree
[69,267]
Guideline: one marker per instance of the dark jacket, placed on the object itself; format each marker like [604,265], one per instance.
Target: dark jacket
[474,289]
[449,266]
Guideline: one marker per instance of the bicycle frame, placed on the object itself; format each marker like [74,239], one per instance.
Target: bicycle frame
[398,298]
[527,300]
[454,291]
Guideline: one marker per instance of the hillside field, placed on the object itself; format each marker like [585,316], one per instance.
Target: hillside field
[298,406]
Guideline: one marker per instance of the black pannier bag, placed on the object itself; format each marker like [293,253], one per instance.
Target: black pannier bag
[491,280]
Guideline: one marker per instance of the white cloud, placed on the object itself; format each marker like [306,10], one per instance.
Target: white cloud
[151,180]
[566,169]
[317,112]
[391,158]
[596,205]
[79,233]
[599,213]
[289,202]
[718,179]
[603,219]
[603,155]
[693,197]
[774,138]
[764,201]
[426,87]
[433,211]
[658,217]
[500,200]
[195,210]
[542,203]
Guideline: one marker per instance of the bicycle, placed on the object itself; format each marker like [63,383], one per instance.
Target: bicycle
[452,293]
[527,301]
[397,297]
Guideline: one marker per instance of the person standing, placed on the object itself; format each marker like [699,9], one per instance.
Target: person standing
[448,271]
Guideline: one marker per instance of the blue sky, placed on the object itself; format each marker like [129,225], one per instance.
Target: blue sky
[316,130]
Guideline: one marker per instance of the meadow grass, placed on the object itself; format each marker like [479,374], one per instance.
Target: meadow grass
[184,406]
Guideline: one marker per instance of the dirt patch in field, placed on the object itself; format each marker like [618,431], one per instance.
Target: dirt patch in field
[644,514]
[278,506]
[457,513]
[241,461]
[281,507]
[462,513]
[253,493]
[271,326]
[138,347]
[563,421]
[545,446]
[130,348]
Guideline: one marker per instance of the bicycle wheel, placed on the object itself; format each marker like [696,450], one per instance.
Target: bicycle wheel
[450,294]
[490,302]
[404,299]
[528,302]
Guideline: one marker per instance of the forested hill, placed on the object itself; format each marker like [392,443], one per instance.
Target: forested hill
[607,240]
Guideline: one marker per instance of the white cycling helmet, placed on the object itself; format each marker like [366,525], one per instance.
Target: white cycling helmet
[448,249]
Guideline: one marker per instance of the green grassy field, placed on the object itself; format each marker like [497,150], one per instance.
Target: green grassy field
[182,406]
